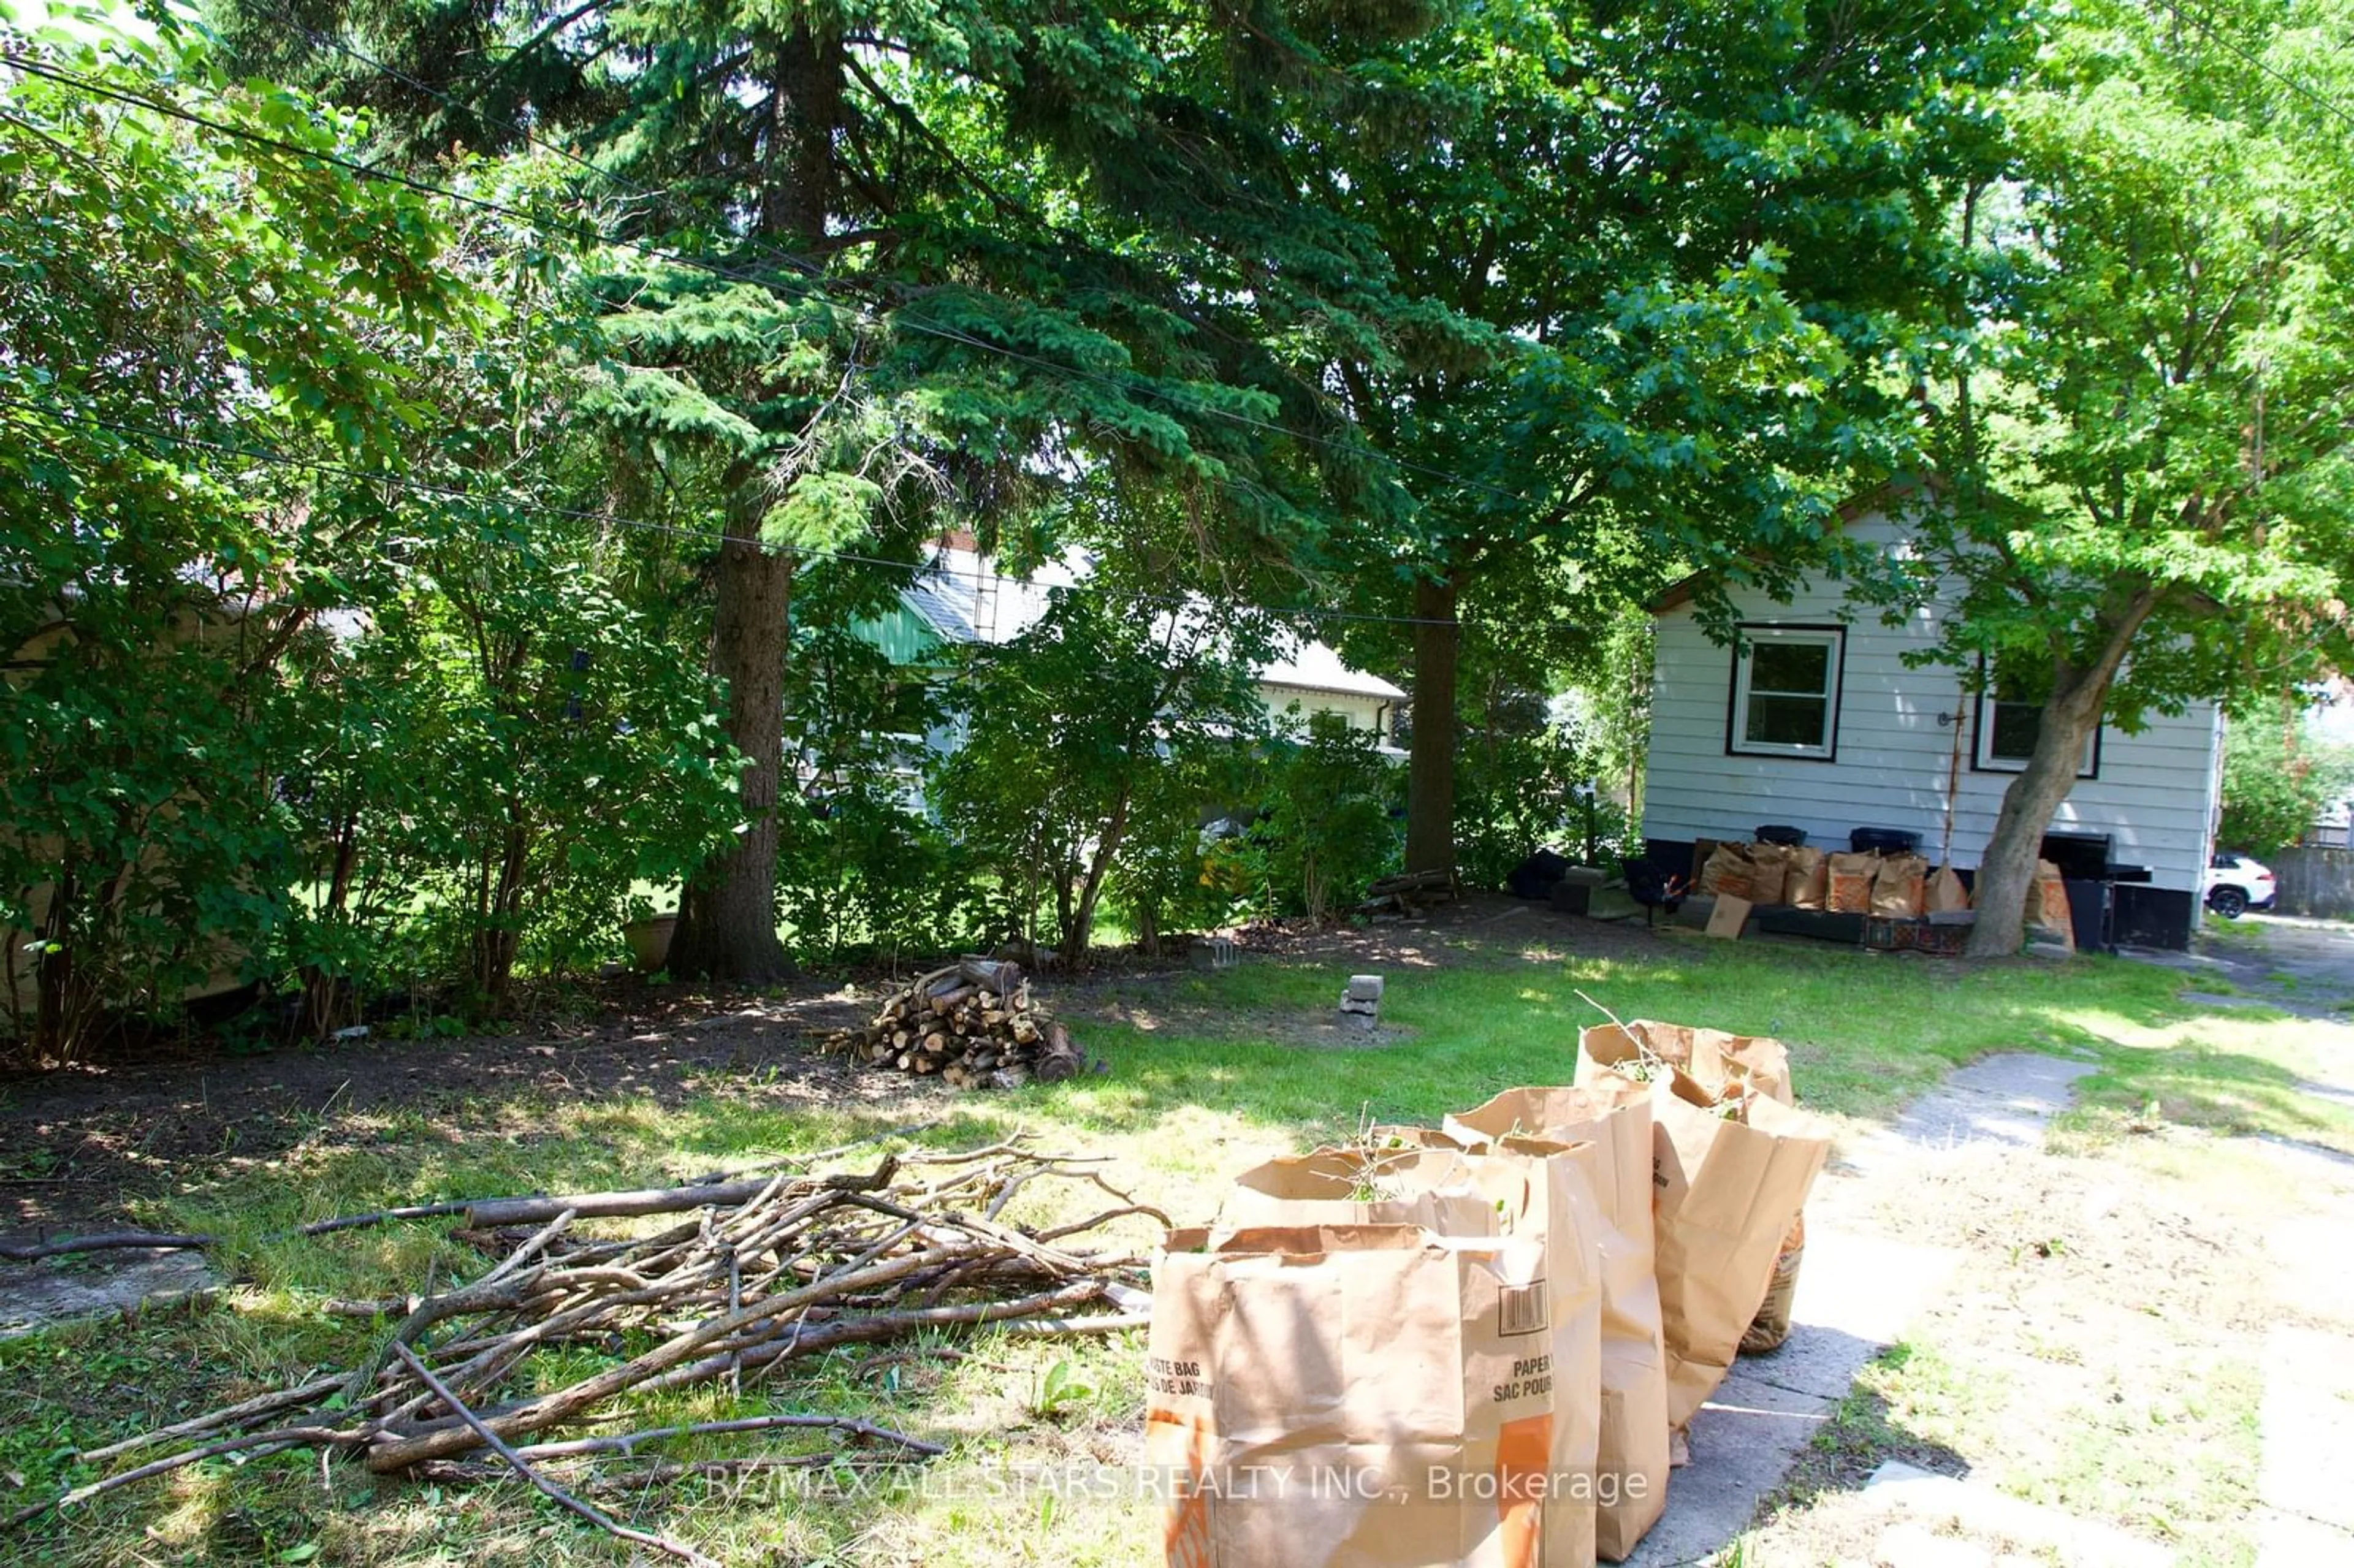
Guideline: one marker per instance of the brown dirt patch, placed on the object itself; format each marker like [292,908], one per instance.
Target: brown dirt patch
[81,1142]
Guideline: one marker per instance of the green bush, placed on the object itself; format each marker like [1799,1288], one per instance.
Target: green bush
[1330,821]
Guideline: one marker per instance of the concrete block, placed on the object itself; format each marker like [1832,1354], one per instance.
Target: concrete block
[1364,988]
[1610,903]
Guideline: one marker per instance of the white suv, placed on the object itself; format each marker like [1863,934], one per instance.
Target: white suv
[2236,884]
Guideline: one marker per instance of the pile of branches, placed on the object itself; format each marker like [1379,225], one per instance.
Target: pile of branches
[974,1025]
[768,1270]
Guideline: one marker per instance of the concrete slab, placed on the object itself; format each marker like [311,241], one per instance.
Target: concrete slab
[2004,1100]
[1742,1445]
[2217,999]
[2336,1094]
[2309,1428]
[1855,1296]
[1929,1499]
[2285,1541]
[1857,1292]
[36,1296]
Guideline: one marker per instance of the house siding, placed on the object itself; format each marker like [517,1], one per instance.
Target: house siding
[1295,705]
[2156,794]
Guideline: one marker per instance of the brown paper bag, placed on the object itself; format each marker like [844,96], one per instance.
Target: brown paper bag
[1769,875]
[1283,1425]
[1729,1184]
[1354,1187]
[1897,886]
[1721,1062]
[1945,891]
[1807,882]
[2046,906]
[1615,1119]
[1771,1327]
[1727,871]
[1544,1191]
[1850,880]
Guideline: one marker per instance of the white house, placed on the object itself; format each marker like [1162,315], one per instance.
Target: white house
[1818,723]
[961,597]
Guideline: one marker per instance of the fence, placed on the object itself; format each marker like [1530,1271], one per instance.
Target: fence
[2315,881]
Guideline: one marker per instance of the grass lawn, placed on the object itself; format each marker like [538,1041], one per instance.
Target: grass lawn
[1209,1073]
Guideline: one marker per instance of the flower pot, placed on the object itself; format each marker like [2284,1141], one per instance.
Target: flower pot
[649,940]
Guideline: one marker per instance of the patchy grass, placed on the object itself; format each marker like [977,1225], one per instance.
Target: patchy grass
[1210,1072]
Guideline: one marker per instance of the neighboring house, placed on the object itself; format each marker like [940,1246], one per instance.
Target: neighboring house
[960,597]
[1818,723]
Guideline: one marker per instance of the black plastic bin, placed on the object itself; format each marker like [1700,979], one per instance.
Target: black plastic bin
[1883,841]
[1775,834]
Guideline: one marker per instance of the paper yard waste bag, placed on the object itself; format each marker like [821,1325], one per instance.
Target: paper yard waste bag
[1348,1397]
[1724,1066]
[1945,893]
[1769,875]
[1727,870]
[1771,1327]
[1808,882]
[1615,1121]
[1898,886]
[1356,1187]
[1731,1177]
[1717,1059]
[2046,906]
[1542,1191]
[1851,883]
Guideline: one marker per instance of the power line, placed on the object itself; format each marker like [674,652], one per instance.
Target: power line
[811,289]
[519,506]
[2329,105]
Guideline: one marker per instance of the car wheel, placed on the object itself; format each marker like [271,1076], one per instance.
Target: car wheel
[2228,901]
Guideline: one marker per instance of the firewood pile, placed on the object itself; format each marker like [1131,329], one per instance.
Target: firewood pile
[1410,893]
[974,1025]
[767,1270]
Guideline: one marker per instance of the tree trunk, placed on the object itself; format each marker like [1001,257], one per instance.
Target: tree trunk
[1081,920]
[2074,711]
[1430,765]
[728,915]
[2007,873]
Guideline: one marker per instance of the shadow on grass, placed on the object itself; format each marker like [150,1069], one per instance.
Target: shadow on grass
[1863,1433]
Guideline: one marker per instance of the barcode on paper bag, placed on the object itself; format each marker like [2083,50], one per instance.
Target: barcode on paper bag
[1521,1309]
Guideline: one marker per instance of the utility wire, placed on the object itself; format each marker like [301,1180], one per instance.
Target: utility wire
[2329,105]
[809,289]
[520,507]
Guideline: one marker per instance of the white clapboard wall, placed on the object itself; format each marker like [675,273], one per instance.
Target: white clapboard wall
[2156,792]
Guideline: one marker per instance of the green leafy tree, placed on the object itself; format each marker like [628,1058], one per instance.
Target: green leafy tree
[1327,827]
[1699,240]
[168,300]
[1113,707]
[935,259]
[2147,432]
[864,869]
[2276,780]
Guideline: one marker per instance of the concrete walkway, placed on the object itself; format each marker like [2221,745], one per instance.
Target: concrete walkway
[2307,1421]
[1857,1291]
[33,1297]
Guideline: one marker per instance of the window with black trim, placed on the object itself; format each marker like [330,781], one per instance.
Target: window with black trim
[1785,692]
[2010,718]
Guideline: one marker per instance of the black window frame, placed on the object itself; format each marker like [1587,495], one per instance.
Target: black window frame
[1981,733]
[1750,633]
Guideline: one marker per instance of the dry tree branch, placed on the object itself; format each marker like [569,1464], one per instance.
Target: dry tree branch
[548,1489]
